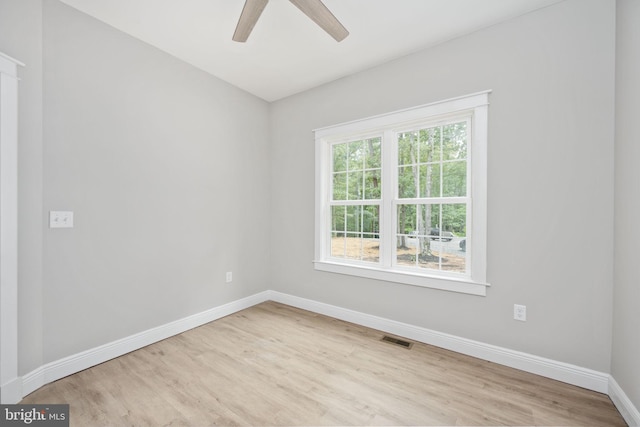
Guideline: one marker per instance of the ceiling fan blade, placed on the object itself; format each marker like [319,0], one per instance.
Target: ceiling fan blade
[250,13]
[318,12]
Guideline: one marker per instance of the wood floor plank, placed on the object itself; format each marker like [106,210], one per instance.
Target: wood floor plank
[275,365]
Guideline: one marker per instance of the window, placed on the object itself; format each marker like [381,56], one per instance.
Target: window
[402,196]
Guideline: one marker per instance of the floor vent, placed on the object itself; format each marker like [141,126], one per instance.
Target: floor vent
[397,341]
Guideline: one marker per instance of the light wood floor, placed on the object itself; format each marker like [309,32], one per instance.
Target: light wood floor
[274,365]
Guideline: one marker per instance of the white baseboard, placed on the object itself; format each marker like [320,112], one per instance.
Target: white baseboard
[571,374]
[583,377]
[78,362]
[629,412]
[11,391]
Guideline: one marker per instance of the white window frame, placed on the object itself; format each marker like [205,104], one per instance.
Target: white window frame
[475,106]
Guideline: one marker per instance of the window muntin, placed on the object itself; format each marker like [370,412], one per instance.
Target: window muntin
[355,199]
[423,241]
[432,190]
[354,233]
[356,169]
[398,194]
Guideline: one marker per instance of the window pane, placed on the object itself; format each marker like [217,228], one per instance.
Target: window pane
[340,186]
[452,252]
[374,153]
[354,184]
[413,235]
[406,182]
[372,184]
[356,170]
[356,233]
[338,222]
[454,175]
[430,180]
[356,155]
[371,220]
[406,220]
[430,145]
[407,148]
[339,157]
[454,142]
[360,248]
[338,245]
[354,218]
[432,164]
[454,218]
[430,235]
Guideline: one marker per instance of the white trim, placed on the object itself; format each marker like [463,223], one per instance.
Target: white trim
[445,283]
[571,374]
[479,193]
[9,384]
[7,64]
[12,391]
[474,109]
[565,372]
[624,405]
[447,106]
[86,359]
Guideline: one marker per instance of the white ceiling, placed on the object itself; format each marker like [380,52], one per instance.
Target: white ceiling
[287,52]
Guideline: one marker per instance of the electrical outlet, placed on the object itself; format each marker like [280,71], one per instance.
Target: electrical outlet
[520,312]
[229,276]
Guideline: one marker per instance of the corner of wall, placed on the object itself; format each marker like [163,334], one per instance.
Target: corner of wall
[620,399]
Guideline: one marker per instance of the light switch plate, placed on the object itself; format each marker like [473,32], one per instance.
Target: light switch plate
[60,219]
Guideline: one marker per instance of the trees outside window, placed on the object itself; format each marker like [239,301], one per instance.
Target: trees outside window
[432,188]
[404,194]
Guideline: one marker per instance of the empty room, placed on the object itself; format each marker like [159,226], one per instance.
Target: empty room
[303,212]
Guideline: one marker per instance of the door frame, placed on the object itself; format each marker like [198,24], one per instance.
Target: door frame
[10,383]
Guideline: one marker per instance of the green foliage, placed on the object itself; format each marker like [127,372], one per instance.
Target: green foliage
[432,163]
[355,219]
[356,170]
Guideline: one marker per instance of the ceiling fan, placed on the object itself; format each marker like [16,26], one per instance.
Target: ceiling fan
[314,9]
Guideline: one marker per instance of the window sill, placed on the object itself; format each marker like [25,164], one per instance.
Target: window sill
[453,284]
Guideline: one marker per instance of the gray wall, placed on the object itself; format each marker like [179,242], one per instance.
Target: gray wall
[165,169]
[626,316]
[163,165]
[21,38]
[550,212]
